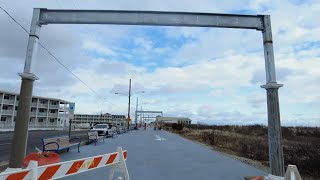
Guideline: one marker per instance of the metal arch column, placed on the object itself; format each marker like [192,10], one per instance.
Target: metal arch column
[274,126]
[20,136]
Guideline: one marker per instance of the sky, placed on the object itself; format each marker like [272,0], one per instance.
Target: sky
[211,75]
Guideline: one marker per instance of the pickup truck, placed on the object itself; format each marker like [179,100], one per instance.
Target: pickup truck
[103,129]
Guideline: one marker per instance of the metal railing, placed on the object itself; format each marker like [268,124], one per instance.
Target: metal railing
[40,125]
[31,125]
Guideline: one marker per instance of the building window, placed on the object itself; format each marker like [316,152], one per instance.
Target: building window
[41,110]
[16,108]
[30,119]
[3,119]
[5,107]
[52,111]
[6,97]
[40,120]
[51,120]
[42,101]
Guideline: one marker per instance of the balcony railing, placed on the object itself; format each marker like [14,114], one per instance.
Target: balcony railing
[8,101]
[34,104]
[32,113]
[43,105]
[7,112]
[64,115]
[42,114]
[6,126]
[53,114]
[54,106]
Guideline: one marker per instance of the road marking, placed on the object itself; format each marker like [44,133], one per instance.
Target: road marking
[158,138]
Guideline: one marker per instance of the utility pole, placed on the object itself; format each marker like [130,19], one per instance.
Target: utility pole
[70,128]
[136,116]
[141,116]
[129,104]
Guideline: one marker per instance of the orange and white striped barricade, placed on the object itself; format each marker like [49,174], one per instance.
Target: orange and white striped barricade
[59,170]
[292,173]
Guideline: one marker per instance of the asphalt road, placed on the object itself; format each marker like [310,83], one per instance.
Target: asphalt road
[160,155]
[34,140]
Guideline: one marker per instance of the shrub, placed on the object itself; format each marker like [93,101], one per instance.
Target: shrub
[177,127]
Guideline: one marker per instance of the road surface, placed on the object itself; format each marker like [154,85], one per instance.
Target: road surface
[160,155]
[34,140]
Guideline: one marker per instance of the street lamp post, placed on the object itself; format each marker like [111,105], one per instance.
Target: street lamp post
[136,117]
[129,103]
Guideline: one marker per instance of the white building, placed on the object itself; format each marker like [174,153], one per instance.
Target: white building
[102,118]
[179,120]
[45,113]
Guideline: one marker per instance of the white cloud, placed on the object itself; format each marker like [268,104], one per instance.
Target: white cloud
[99,48]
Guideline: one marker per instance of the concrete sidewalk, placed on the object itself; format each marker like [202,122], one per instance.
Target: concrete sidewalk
[170,158]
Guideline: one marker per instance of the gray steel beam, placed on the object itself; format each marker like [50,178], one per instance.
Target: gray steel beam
[154,18]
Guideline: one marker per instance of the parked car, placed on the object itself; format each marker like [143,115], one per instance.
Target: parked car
[132,127]
[102,129]
[114,130]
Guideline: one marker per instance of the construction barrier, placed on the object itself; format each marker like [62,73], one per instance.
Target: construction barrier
[59,170]
[292,173]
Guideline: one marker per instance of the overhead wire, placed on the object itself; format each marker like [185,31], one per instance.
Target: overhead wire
[83,51]
[52,55]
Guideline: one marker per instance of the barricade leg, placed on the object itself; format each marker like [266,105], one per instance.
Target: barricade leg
[120,167]
[33,166]
[292,173]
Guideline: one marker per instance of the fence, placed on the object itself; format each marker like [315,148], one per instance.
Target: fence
[59,170]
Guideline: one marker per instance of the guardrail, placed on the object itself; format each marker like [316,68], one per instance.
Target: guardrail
[59,170]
